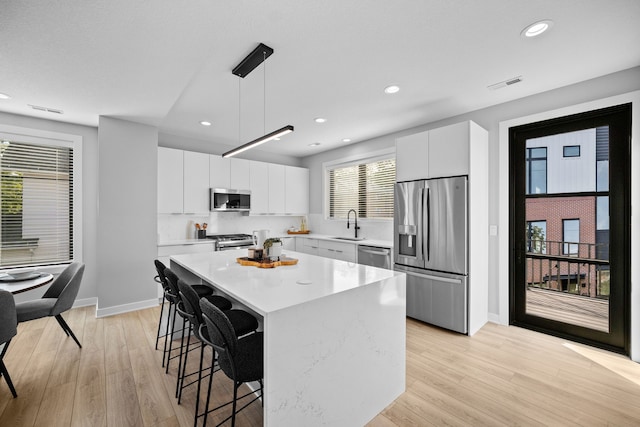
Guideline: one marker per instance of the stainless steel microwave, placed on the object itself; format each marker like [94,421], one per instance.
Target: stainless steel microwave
[229,200]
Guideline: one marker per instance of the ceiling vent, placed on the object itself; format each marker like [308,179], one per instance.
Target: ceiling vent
[46,109]
[505,83]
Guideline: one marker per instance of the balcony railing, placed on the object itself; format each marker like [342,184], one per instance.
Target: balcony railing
[570,267]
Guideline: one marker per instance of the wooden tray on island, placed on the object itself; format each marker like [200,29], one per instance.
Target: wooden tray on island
[298,232]
[266,263]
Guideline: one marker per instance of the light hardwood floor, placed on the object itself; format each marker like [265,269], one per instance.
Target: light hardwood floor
[500,376]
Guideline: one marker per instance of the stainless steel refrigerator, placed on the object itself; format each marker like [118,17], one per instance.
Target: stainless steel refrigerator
[430,246]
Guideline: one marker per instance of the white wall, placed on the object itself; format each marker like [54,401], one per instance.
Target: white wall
[88,289]
[490,118]
[210,147]
[126,215]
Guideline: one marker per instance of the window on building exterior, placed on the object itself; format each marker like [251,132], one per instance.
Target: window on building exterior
[536,170]
[571,151]
[366,186]
[536,237]
[570,236]
[36,215]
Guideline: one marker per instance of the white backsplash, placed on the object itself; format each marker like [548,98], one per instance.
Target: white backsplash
[370,229]
[180,227]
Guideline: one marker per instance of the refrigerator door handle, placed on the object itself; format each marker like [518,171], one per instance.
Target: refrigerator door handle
[428,224]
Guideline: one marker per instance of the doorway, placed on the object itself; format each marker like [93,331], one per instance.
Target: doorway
[570,227]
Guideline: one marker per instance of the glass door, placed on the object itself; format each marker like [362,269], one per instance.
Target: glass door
[570,227]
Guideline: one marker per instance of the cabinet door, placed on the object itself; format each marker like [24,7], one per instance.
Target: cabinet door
[276,189]
[449,150]
[196,182]
[219,172]
[288,243]
[170,180]
[297,190]
[411,157]
[259,186]
[240,174]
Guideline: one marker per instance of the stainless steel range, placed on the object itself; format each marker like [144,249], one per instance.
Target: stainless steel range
[227,242]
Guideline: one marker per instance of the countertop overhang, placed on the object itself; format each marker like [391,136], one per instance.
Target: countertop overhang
[268,290]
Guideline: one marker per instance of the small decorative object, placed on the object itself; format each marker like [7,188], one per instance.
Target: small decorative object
[273,248]
[255,253]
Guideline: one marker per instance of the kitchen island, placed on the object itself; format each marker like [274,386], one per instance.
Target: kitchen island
[334,333]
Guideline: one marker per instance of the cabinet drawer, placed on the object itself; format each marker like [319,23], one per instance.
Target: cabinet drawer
[308,246]
[337,250]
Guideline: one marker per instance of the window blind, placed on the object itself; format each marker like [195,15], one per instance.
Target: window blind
[36,186]
[366,187]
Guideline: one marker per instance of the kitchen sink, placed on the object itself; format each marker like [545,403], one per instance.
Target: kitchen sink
[349,238]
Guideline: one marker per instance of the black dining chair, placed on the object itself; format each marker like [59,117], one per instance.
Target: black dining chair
[58,298]
[8,330]
[168,295]
[242,321]
[241,359]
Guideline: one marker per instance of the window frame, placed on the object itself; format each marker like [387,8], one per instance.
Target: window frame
[566,246]
[570,156]
[529,161]
[370,157]
[50,138]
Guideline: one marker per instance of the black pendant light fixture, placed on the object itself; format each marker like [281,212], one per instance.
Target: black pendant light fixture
[246,66]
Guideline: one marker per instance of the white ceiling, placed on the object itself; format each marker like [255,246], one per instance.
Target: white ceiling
[168,63]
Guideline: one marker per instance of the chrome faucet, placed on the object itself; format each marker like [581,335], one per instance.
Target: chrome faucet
[355,226]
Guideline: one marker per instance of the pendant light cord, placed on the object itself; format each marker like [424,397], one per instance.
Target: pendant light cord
[239,109]
[264,94]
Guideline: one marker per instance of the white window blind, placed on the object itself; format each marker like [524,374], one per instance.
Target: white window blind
[366,187]
[36,185]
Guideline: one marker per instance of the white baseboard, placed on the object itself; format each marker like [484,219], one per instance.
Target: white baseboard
[495,318]
[85,302]
[125,308]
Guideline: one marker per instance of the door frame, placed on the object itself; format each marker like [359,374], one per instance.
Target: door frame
[618,338]
[499,291]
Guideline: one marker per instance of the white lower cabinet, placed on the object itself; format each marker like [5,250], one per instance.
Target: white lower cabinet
[306,245]
[337,250]
[288,243]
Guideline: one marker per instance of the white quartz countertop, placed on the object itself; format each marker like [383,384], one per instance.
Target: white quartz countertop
[185,242]
[365,241]
[267,290]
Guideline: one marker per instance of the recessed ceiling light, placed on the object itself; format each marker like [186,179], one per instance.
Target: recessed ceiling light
[4,96]
[537,28]
[315,144]
[391,89]
[320,120]
[205,123]
[346,140]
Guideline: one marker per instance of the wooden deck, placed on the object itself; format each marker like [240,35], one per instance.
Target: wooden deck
[591,313]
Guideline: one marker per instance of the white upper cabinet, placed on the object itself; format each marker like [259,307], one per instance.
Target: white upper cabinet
[297,190]
[276,189]
[436,153]
[240,174]
[219,172]
[185,177]
[196,182]
[259,186]
[170,180]
[449,150]
[411,157]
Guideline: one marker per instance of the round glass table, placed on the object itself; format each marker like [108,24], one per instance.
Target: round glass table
[18,285]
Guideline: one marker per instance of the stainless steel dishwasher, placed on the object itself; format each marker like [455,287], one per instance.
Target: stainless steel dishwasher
[374,256]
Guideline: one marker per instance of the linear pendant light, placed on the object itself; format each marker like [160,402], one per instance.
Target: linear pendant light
[268,137]
[246,66]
